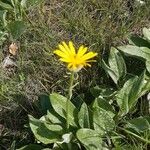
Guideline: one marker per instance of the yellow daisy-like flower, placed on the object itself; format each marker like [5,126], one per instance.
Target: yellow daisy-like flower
[75,60]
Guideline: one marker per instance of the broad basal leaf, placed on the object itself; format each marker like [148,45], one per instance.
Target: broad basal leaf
[44,132]
[136,90]
[122,96]
[111,73]
[132,90]
[59,104]
[55,118]
[83,116]
[138,41]
[135,51]
[116,62]
[44,103]
[116,68]
[102,120]
[102,91]
[146,33]
[90,139]
[104,104]
[148,65]
[140,124]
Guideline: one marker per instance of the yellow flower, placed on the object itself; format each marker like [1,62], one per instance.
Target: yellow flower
[75,60]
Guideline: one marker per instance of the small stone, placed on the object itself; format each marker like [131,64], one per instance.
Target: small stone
[8,63]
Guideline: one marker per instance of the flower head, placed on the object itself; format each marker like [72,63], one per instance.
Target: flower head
[75,60]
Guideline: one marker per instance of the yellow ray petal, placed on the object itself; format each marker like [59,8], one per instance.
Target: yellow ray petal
[63,49]
[61,54]
[67,60]
[89,56]
[72,48]
[66,47]
[82,50]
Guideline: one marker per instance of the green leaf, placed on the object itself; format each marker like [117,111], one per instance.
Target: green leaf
[117,67]
[90,139]
[146,33]
[140,124]
[16,28]
[102,91]
[116,62]
[46,108]
[78,100]
[44,132]
[102,120]
[55,118]
[104,104]
[148,65]
[44,103]
[122,96]
[136,90]
[132,90]
[59,104]
[138,41]
[112,74]
[31,147]
[135,51]
[83,116]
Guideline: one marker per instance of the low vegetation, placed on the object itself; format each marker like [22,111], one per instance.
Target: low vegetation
[108,103]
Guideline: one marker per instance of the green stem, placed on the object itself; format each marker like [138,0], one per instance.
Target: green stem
[69,98]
